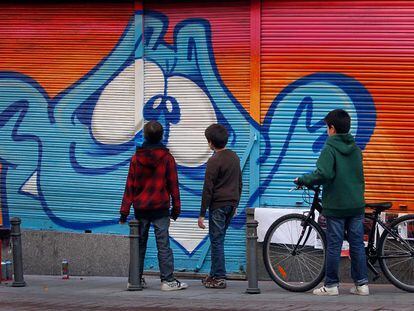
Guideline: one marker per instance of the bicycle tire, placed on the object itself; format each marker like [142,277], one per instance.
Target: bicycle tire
[403,274]
[288,279]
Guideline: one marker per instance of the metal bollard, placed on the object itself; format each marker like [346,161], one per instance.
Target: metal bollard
[134,280]
[251,235]
[16,236]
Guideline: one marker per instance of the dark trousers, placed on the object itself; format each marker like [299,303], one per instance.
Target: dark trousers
[336,228]
[165,254]
[219,220]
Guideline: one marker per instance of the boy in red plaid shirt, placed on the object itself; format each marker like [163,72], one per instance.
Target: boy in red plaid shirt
[152,181]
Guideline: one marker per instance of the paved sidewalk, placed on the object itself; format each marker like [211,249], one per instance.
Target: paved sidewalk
[109,293]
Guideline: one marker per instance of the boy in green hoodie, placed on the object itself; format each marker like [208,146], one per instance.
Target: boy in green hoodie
[339,170]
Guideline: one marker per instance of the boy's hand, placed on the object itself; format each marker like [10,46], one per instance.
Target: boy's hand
[201,223]
[234,212]
[298,181]
[174,215]
[122,219]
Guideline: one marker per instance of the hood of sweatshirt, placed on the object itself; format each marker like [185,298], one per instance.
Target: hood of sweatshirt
[151,155]
[344,143]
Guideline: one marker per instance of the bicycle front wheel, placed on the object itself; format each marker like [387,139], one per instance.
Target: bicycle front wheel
[397,253]
[294,253]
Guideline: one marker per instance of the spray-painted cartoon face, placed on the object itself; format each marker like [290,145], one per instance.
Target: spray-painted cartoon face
[169,100]
[176,101]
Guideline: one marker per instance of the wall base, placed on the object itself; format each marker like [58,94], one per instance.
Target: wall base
[88,254]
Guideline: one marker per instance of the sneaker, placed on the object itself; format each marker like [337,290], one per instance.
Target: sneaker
[326,291]
[361,290]
[215,283]
[206,279]
[173,285]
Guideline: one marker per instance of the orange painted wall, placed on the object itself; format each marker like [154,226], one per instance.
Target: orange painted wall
[31,32]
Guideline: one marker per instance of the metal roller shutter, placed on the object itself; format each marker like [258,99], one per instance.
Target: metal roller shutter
[321,55]
[66,112]
[196,64]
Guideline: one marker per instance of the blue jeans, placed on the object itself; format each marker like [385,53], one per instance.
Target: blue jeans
[336,228]
[218,222]
[165,254]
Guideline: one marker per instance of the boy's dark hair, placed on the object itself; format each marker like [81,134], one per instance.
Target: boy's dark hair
[340,119]
[153,132]
[217,135]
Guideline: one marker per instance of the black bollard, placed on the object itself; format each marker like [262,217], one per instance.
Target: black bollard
[251,235]
[134,280]
[16,237]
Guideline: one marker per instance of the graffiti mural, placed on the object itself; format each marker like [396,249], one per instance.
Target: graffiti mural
[53,148]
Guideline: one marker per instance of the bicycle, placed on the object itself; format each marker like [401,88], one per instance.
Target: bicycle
[294,247]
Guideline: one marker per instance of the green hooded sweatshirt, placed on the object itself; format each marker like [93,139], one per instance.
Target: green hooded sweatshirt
[340,172]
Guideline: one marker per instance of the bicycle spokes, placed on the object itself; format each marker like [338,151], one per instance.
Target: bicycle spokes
[292,253]
[397,253]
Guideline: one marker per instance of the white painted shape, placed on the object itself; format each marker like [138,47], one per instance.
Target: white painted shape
[169,105]
[114,117]
[139,95]
[266,217]
[154,83]
[157,103]
[30,186]
[186,232]
[187,141]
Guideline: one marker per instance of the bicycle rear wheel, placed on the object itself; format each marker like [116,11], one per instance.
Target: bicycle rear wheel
[294,253]
[397,254]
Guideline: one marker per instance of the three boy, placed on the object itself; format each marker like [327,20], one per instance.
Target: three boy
[339,170]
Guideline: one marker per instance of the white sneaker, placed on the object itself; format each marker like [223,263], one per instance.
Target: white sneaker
[326,291]
[173,285]
[362,290]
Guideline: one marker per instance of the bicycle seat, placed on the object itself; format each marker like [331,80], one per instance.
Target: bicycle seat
[379,207]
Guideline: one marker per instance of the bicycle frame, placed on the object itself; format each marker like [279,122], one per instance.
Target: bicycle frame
[311,215]
[371,248]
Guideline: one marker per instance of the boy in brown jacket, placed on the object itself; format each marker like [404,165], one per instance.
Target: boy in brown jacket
[221,195]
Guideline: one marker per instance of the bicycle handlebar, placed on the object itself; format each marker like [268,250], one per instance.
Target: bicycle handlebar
[301,187]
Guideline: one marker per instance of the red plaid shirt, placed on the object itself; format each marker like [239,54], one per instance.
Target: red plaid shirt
[152,180]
